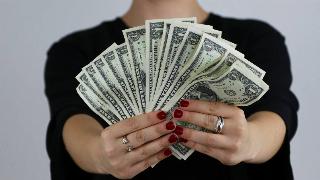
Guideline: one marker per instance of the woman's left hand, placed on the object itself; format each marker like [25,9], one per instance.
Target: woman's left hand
[232,146]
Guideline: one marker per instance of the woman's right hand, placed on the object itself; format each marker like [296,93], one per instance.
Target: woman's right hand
[149,135]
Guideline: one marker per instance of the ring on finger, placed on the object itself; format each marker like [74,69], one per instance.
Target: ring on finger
[130,148]
[219,125]
[126,141]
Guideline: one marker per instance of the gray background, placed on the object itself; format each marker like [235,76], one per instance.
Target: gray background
[28,28]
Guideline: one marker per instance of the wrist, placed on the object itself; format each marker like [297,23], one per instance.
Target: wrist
[265,133]
[97,155]
[252,144]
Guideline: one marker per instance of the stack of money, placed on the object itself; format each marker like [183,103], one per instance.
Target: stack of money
[162,62]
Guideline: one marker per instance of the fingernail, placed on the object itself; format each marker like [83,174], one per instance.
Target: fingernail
[167,152]
[178,131]
[184,103]
[183,140]
[177,113]
[173,138]
[170,125]
[161,115]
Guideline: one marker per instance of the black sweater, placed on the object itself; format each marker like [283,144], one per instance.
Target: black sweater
[261,44]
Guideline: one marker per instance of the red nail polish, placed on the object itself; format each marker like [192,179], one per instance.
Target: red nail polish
[167,152]
[184,103]
[177,113]
[161,115]
[178,131]
[170,125]
[183,140]
[173,138]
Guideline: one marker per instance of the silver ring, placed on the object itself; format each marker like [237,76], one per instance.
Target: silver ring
[219,125]
[130,148]
[125,140]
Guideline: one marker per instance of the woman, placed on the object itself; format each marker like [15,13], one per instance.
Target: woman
[253,144]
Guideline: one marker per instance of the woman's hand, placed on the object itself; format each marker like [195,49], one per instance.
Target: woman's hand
[149,135]
[230,147]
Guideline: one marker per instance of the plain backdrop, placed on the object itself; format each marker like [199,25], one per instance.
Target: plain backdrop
[29,27]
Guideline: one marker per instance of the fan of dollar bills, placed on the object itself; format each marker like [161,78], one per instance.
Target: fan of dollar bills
[162,62]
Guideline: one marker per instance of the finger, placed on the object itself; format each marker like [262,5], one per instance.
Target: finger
[213,152]
[150,133]
[212,108]
[135,123]
[203,120]
[152,148]
[204,138]
[221,155]
[145,164]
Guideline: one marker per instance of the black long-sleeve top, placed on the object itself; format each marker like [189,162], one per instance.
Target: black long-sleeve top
[261,44]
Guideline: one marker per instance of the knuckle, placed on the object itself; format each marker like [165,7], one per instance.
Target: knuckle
[208,119]
[140,137]
[143,152]
[210,139]
[133,122]
[213,107]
